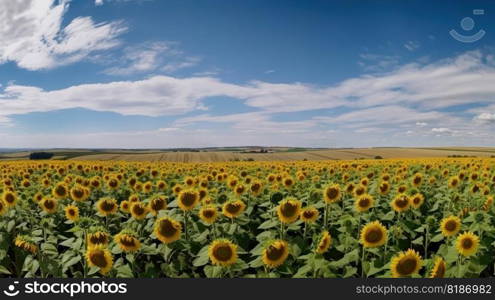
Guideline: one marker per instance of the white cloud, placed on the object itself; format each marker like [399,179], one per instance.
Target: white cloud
[150,57]
[32,35]
[421,124]
[441,130]
[485,118]
[412,45]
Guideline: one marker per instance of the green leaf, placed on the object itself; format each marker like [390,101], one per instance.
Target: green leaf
[4,270]
[124,271]
[202,257]
[268,224]
[437,238]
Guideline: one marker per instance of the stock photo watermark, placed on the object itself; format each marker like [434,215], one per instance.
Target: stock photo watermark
[468,24]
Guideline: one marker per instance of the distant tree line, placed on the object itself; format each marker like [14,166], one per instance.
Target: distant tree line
[40,155]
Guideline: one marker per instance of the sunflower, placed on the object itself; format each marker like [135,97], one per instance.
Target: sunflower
[25,243]
[454,182]
[113,184]
[359,190]
[106,206]
[467,243]
[208,214]
[384,187]
[138,210]
[233,208]
[72,212]
[125,206]
[332,193]
[417,179]
[133,198]
[60,191]
[324,243]
[405,264]
[400,203]
[450,226]
[222,252]
[98,238]
[439,268]
[167,230]
[49,205]
[364,203]
[373,235]
[288,210]
[239,189]
[156,204]
[79,193]
[3,207]
[9,198]
[99,256]
[37,197]
[188,199]
[309,214]
[127,241]
[256,188]
[417,200]
[275,253]
[488,203]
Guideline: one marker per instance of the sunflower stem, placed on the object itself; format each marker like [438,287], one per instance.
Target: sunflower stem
[362,262]
[327,206]
[185,225]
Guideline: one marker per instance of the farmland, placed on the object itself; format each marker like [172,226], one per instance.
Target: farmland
[232,154]
[410,217]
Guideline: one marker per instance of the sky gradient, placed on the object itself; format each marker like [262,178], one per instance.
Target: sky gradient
[205,73]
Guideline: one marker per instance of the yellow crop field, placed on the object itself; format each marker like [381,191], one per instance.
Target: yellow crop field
[358,218]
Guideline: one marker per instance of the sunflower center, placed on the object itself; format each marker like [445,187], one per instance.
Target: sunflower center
[98,239]
[308,214]
[274,253]
[233,208]
[208,213]
[373,235]
[107,206]
[288,209]
[188,199]
[138,209]
[97,257]
[467,243]
[49,204]
[406,266]
[128,241]
[9,198]
[78,193]
[332,193]
[401,202]
[440,271]
[60,191]
[450,225]
[223,253]
[167,228]
[158,204]
[364,202]
[416,200]
[72,212]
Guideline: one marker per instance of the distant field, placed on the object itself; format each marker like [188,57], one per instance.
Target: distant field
[340,154]
[282,154]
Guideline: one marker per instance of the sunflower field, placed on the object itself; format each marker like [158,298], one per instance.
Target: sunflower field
[361,218]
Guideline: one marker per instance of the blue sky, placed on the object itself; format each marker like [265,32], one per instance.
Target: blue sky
[198,73]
